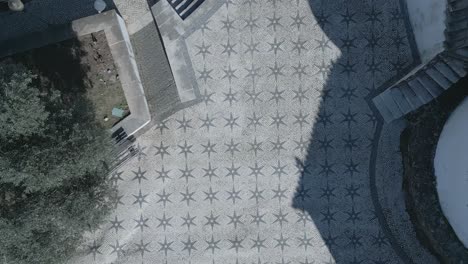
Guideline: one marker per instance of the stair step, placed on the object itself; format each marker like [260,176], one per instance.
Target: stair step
[400,100]
[438,77]
[185,7]
[420,91]
[456,65]
[386,114]
[391,105]
[457,5]
[463,52]
[447,71]
[409,94]
[191,8]
[431,86]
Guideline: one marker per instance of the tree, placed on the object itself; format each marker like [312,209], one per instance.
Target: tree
[53,173]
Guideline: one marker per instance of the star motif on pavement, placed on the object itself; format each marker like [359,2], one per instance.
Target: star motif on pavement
[141,222]
[189,245]
[301,145]
[140,199]
[251,23]
[278,120]
[348,43]
[348,67]
[355,240]
[235,219]
[255,146]
[236,243]
[397,15]
[161,150]
[399,40]
[253,72]
[355,261]
[322,19]
[324,118]
[279,193]
[206,97]
[256,194]
[273,2]
[203,50]
[274,22]
[232,147]
[300,70]
[256,170]
[258,243]
[327,192]
[301,119]
[207,122]
[348,18]
[209,148]
[323,69]
[277,95]
[276,46]
[279,169]
[276,71]
[164,198]
[280,217]
[326,168]
[139,175]
[163,174]
[141,152]
[254,121]
[303,167]
[165,246]
[303,217]
[204,27]
[350,142]
[349,118]
[398,66]
[351,167]
[305,241]
[373,41]
[187,196]
[374,16]
[116,177]
[233,171]
[211,195]
[188,221]
[298,21]
[330,240]
[306,261]
[300,94]
[210,171]
[229,73]
[250,2]
[116,199]
[228,24]
[233,195]
[281,242]
[379,239]
[299,45]
[278,145]
[325,143]
[254,96]
[349,93]
[94,249]
[212,220]
[353,216]
[252,47]
[328,216]
[352,192]
[257,218]
[117,248]
[229,48]
[116,224]
[186,173]
[205,74]
[212,244]
[161,125]
[164,222]
[230,97]
[323,43]
[184,123]
[302,193]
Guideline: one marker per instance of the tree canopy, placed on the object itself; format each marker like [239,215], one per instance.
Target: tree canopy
[53,173]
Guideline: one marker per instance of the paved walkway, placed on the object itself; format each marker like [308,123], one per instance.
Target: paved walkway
[273,165]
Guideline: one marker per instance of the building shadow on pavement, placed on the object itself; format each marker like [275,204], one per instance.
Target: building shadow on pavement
[335,187]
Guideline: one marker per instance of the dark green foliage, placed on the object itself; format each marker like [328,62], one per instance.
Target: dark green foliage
[53,178]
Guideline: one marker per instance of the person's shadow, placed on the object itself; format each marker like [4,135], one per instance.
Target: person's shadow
[335,186]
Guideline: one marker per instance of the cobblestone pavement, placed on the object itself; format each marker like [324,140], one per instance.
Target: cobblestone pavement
[273,165]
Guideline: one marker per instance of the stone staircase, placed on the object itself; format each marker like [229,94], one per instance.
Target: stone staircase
[436,76]
[185,7]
